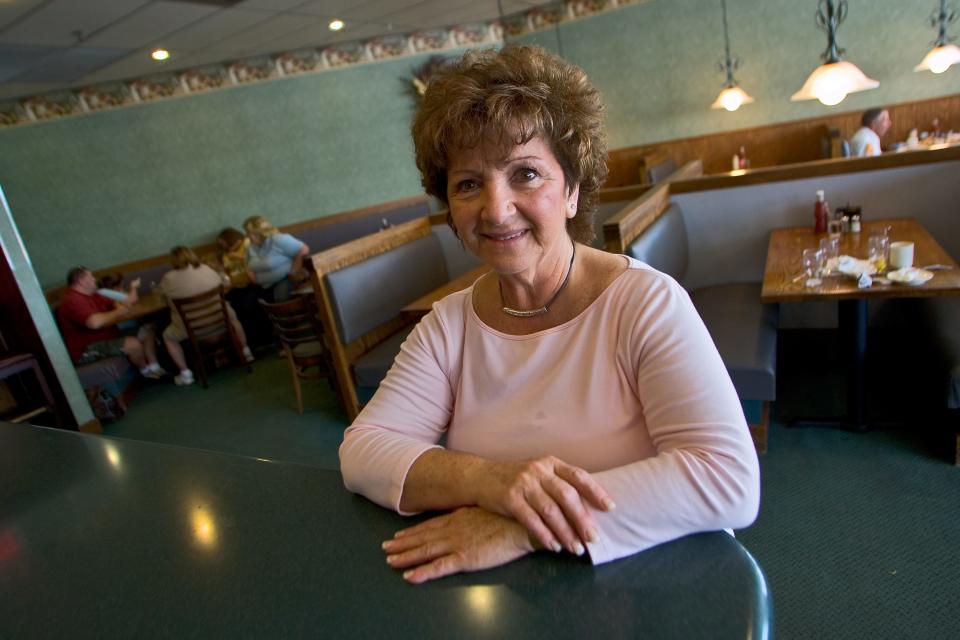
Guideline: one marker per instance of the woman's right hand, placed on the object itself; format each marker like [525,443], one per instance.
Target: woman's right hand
[548,497]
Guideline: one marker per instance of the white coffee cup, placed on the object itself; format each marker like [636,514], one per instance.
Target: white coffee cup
[901,255]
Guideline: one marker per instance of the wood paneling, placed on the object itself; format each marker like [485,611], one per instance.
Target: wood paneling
[620,230]
[781,143]
[836,166]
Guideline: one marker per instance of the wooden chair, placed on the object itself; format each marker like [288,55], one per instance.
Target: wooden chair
[12,366]
[207,322]
[297,326]
[361,288]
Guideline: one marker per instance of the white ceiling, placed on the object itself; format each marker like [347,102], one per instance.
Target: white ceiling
[54,44]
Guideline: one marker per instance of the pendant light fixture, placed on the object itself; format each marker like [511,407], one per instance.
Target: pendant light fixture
[732,96]
[832,81]
[943,54]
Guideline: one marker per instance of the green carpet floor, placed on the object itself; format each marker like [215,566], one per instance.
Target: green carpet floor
[858,534]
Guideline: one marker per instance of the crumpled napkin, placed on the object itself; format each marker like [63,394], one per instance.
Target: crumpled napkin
[864,281]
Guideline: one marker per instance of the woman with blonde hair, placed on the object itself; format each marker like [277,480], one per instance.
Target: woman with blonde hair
[583,404]
[274,259]
[190,277]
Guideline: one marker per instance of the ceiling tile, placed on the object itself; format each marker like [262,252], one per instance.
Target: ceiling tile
[68,65]
[328,8]
[268,5]
[214,28]
[357,32]
[312,36]
[152,23]
[11,10]
[17,58]
[57,22]
[134,65]
[376,10]
[267,31]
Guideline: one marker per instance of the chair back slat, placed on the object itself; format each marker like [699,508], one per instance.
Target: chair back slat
[207,321]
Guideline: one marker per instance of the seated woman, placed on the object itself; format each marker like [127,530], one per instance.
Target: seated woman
[274,259]
[231,260]
[190,277]
[584,404]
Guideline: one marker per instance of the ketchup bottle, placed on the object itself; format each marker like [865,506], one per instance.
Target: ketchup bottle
[820,213]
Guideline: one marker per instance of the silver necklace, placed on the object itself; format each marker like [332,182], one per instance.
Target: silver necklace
[518,313]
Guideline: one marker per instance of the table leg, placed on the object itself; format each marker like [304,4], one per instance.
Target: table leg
[853,332]
[853,336]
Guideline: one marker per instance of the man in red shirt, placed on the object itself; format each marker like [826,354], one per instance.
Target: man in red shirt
[88,323]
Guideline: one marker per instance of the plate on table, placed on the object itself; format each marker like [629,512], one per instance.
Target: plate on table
[850,266]
[910,275]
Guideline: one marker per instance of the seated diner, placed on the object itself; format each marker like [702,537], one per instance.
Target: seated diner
[584,406]
[190,277]
[88,322]
[274,260]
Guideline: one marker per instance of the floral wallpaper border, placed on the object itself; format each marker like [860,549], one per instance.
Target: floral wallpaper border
[61,104]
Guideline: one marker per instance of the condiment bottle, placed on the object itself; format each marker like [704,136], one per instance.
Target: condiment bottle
[820,213]
[854,223]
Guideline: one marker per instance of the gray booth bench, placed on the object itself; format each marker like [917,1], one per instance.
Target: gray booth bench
[744,330]
[361,288]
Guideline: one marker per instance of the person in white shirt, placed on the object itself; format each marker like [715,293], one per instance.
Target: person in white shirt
[866,141]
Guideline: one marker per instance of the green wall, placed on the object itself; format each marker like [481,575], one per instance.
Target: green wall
[116,186]
[656,63]
[113,187]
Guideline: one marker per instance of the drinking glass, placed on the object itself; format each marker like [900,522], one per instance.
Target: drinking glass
[878,251]
[835,228]
[831,254]
[813,266]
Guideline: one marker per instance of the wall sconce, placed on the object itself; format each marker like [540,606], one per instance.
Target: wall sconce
[732,96]
[832,81]
[943,54]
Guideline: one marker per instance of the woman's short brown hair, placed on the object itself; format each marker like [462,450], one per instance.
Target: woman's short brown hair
[229,237]
[184,257]
[510,96]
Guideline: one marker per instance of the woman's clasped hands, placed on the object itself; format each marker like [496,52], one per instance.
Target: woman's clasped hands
[520,506]
[549,497]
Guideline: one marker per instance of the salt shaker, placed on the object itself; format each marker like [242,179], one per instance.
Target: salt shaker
[855,223]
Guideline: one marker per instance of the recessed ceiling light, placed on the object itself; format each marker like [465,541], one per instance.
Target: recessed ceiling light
[336,25]
[160,54]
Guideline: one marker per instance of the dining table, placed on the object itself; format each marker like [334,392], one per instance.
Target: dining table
[147,304]
[114,538]
[422,305]
[784,281]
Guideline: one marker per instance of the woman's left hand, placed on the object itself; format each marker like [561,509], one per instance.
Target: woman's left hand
[468,539]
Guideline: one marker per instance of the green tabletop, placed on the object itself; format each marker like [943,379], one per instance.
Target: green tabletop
[103,537]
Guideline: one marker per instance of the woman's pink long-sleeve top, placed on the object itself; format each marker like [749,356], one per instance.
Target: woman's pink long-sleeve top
[632,390]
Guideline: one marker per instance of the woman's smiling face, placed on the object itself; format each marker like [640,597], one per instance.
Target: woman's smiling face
[510,212]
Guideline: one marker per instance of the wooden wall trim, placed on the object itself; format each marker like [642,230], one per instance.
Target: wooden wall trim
[349,253]
[620,194]
[690,170]
[801,170]
[782,142]
[208,250]
[620,229]
[353,214]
